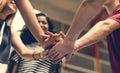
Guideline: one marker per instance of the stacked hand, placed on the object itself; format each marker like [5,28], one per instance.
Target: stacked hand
[60,50]
[52,40]
[56,48]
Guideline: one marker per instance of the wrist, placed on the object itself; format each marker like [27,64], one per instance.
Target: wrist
[70,38]
[69,44]
[42,39]
[69,41]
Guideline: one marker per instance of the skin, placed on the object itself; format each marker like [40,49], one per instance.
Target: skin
[43,23]
[70,44]
[10,8]
[44,26]
[2,4]
[27,12]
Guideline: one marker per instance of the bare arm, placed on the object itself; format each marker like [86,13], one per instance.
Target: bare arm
[109,5]
[86,12]
[99,31]
[22,50]
[28,15]
[19,46]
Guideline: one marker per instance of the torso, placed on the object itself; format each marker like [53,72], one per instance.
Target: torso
[114,43]
[5,45]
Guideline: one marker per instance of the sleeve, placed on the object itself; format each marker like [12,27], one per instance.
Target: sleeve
[116,14]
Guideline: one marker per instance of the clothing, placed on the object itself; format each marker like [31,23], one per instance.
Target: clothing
[3,68]
[5,44]
[114,43]
[35,66]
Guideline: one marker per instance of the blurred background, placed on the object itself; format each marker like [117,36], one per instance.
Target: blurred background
[92,59]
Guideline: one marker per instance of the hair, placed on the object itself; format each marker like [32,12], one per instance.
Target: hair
[26,35]
[48,20]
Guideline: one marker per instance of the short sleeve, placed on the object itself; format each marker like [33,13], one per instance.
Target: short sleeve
[116,14]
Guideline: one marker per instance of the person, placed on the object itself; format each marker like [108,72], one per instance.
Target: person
[33,66]
[106,28]
[10,37]
[27,12]
[9,9]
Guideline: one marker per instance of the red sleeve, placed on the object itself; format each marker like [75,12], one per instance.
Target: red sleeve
[116,14]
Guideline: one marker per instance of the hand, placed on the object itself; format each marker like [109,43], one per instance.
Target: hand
[60,50]
[53,39]
[43,37]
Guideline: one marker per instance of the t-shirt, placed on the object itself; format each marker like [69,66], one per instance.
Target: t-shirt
[34,66]
[5,44]
[114,43]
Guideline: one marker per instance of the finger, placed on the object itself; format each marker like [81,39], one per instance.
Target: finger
[50,54]
[58,38]
[49,33]
[52,36]
[57,60]
[55,56]
[62,34]
[45,52]
[44,36]
[59,56]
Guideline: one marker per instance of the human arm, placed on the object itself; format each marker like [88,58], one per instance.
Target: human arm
[30,19]
[8,9]
[95,34]
[99,31]
[21,49]
[53,39]
[85,13]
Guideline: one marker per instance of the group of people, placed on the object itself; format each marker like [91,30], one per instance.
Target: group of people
[68,44]
[19,65]
[11,38]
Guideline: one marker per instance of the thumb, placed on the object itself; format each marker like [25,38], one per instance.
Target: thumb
[62,35]
[44,36]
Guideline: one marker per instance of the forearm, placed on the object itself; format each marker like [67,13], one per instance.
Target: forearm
[24,51]
[29,17]
[95,34]
[85,13]
[19,46]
